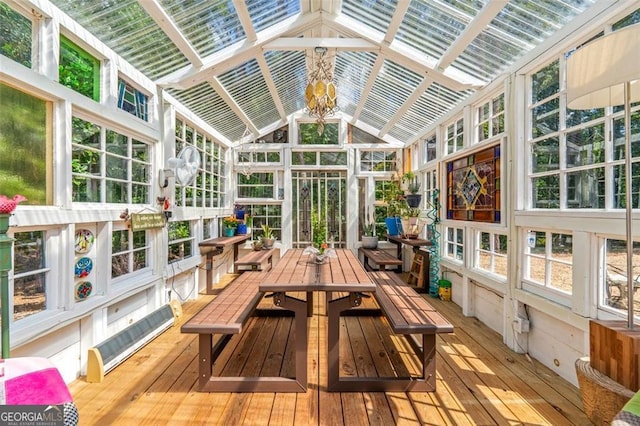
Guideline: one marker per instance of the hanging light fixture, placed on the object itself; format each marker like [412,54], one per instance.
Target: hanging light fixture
[320,94]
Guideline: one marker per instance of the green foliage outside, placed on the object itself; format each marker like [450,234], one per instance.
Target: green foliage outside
[309,134]
[78,70]
[23,166]
[15,36]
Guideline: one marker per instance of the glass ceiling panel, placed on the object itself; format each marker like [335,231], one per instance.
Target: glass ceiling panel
[208,105]
[208,25]
[265,13]
[288,71]
[351,73]
[126,28]
[375,14]
[246,85]
[431,26]
[393,85]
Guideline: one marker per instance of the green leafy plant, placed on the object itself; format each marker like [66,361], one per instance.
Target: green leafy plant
[410,178]
[267,232]
[368,229]
[230,222]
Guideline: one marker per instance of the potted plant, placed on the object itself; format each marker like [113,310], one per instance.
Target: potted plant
[230,223]
[412,222]
[369,239]
[267,236]
[395,200]
[413,187]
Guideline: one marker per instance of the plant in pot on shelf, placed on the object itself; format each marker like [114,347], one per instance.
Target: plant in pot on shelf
[413,187]
[267,237]
[369,239]
[230,223]
[395,200]
[413,221]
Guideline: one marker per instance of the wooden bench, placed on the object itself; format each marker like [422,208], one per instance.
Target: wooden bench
[225,315]
[408,313]
[255,260]
[216,246]
[382,258]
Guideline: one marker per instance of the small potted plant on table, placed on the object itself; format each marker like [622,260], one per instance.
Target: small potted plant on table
[267,236]
[230,223]
[369,239]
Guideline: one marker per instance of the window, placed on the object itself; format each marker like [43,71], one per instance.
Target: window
[30,271]
[15,36]
[490,118]
[320,158]
[491,253]
[78,70]
[261,157]
[549,260]
[378,161]
[207,228]
[256,185]
[132,100]
[126,177]
[615,275]
[209,187]
[181,241]
[454,243]
[308,134]
[264,214]
[24,165]
[129,252]
[454,137]
[429,146]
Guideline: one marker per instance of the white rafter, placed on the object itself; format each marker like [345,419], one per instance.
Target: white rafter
[367,88]
[245,20]
[222,92]
[303,43]
[396,20]
[424,85]
[266,73]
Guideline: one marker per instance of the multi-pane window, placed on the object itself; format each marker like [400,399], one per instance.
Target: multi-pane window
[615,275]
[208,188]
[129,251]
[256,185]
[549,260]
[126,175]
[24,165]
[78,70]
[259,157]
[308,134]
[30,272]
[207,228]
[454,136]
[378,161]
[264,214]
[132,100]
[490,118]
[15,36]
[491,253]
[454,243]
[181,241]
[321,158]
[429,150]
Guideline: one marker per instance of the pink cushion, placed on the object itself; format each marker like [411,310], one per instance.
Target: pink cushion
[33,381]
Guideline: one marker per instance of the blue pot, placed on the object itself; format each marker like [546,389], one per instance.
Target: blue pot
[240,214]
[242,229]
[229,232]
[394,226]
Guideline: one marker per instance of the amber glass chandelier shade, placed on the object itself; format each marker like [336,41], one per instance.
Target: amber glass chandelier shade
[320,94]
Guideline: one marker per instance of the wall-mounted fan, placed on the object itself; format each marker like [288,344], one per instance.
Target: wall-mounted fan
[186,165]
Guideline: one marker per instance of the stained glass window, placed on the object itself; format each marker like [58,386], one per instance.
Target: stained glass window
[132,100]
[473,184]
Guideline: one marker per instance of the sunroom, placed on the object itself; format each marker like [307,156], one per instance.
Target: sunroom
[138,130]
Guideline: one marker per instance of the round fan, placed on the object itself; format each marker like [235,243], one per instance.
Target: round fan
[187,164]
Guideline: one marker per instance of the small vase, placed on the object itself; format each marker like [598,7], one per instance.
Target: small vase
[229,232]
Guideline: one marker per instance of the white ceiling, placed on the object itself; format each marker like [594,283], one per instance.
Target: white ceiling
[400,65]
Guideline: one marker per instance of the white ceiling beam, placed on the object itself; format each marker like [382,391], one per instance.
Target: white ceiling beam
[405,55]
[396,20]
[266,73]
[245,20]
[303,43]
[237,53]
[424,85]
[367,88]
[222,92]
[166,24]
[475,27]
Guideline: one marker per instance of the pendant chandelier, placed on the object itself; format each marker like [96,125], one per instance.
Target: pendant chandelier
[320,94]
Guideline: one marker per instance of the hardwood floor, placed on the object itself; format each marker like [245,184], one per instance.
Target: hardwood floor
[479,380]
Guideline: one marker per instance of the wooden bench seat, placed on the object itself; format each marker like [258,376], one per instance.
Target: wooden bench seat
[260,260]
[382,258]
[408,313]
[225,315]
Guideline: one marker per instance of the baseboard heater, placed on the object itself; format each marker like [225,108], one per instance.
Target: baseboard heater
[105,356]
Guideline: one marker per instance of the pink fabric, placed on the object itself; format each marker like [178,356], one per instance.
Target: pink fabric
[33,381]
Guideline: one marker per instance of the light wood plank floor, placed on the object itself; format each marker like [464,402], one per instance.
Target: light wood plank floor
[479,380]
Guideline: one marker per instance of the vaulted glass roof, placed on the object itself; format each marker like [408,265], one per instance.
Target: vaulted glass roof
[400,65]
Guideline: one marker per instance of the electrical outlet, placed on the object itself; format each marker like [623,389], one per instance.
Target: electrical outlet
[521,325]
